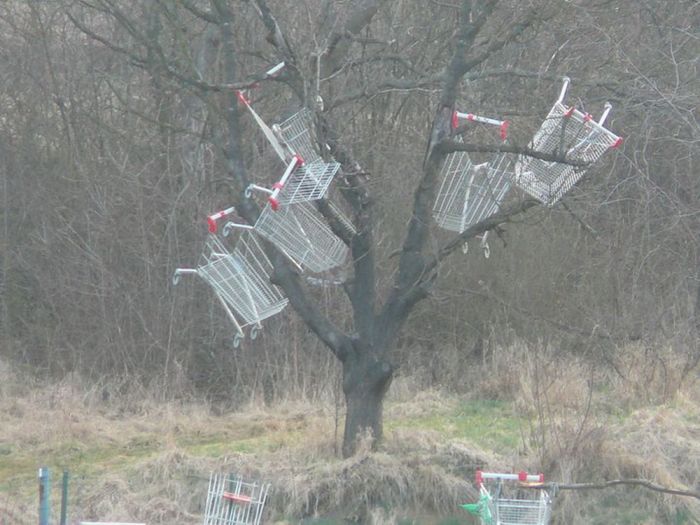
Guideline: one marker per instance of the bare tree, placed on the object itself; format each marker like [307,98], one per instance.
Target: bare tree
[347,65]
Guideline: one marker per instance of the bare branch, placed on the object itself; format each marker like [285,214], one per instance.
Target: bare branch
[634,482]
[207,16]
[340,42]
[452,146]
[390,84]
[489,223]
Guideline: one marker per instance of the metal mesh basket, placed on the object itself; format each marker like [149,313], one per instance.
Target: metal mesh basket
[470,193]
[296,133]
[569,133]
[518,503]
[240,280]
[308,182]
[300,232]
[522,511]
[231,501]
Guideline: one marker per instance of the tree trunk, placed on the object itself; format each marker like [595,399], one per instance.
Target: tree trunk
[366,380]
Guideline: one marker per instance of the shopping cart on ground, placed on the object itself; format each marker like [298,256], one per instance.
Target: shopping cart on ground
[511,499]
[232,501]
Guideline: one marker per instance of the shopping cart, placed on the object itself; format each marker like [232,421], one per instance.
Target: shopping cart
[240,280]
[296,134]
[569,133]
[300,182]
[231,501]
[470,193]
[301,233]
[511,499]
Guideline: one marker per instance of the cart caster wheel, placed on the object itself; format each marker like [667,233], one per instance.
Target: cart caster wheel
[237,340]
[176,278]
[465,248]
[227,229]
[487,251]
[254,332]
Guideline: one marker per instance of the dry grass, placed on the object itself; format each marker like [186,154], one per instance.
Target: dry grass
[135,457]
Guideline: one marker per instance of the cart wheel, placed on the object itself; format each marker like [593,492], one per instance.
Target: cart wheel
[176,278]
[237,340]
[254,332]
[465,248]
[248,192]
[227,228]
[487,250]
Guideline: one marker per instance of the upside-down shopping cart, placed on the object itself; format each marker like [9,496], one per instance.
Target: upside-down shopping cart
[232,501]
[511,499]
[568,133]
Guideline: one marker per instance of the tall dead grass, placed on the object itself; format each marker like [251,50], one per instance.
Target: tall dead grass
[582,420]
[632,413]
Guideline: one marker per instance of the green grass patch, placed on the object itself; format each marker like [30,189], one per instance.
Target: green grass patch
[489,424]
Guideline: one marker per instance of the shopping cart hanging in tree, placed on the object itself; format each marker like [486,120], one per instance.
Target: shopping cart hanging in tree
[240,279]
[572,135]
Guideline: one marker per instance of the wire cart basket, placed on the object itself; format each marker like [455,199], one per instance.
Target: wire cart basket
[231,501]
[511,499]
[297,136]
[300,182]
[470,192]
[569,133]
[300,232]
[240,280]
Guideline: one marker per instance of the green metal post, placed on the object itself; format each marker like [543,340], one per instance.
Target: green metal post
[64,498]
[44,495]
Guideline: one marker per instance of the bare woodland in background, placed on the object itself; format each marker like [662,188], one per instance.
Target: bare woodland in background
[110,161]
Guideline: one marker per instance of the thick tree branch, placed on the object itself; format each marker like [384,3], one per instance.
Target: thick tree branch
[425,277]
[480,227]
[294,78]
[453,146]
[635,482]
[412,263]
[340,42]
[362,289]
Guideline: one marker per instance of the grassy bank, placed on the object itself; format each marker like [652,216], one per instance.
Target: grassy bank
[142,459]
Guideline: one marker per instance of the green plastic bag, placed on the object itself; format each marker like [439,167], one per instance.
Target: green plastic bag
[482,509]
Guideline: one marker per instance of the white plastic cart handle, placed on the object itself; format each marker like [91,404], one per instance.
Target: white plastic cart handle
[521,476]
[564,87]
[181,271]
[502,124]
[274,70]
